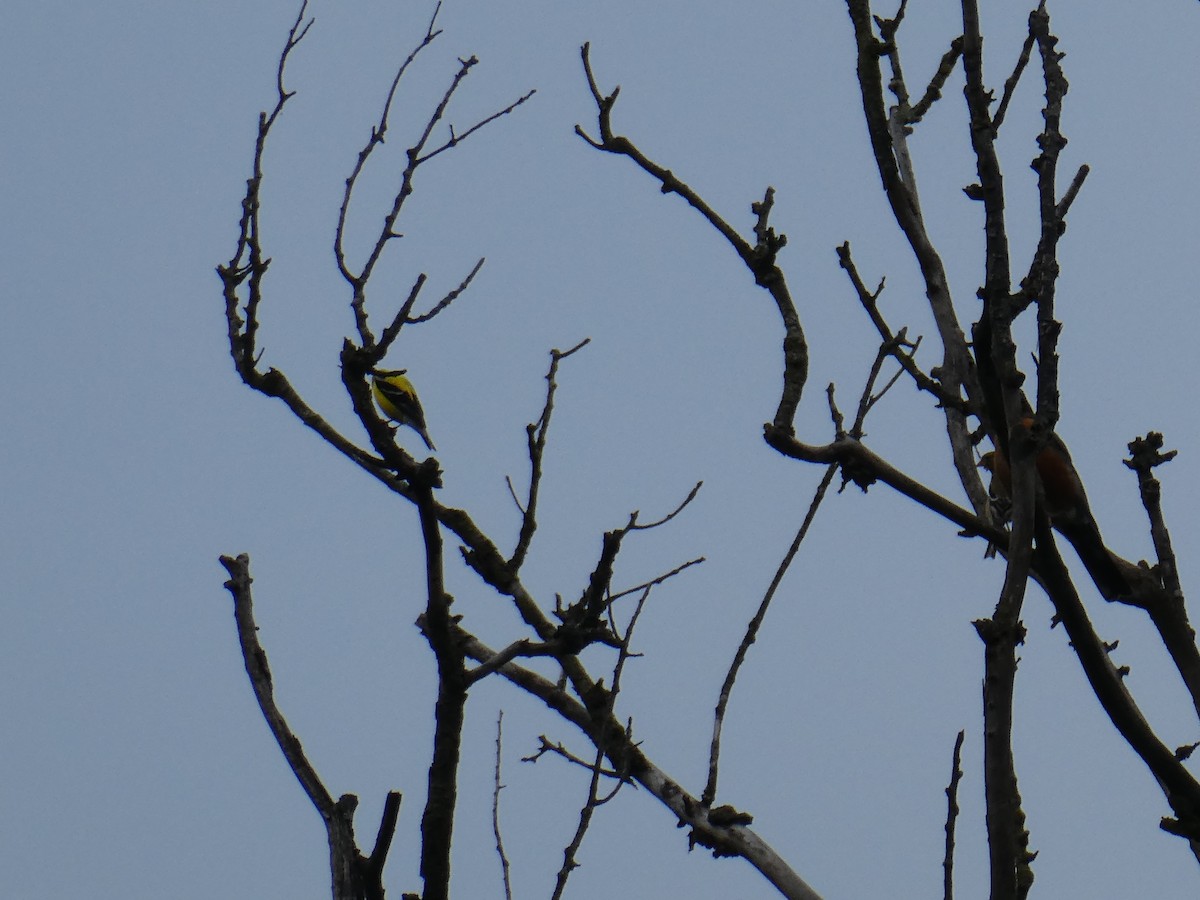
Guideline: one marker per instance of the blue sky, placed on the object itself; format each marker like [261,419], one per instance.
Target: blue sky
[132,456]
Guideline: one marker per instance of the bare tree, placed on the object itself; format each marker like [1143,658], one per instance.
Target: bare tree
[978,386]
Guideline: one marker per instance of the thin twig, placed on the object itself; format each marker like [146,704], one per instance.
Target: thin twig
[456,139]
[556,748]
[1010,83]
[952,811]
[907,360]
[243,331]
[933,92]
[376,138]
[415,159]
[656,580]
[868,399]
[714,752]
[392,331]
[1165,604]
[839,421]
[496,788]
[583,617]
[593,798]
[898,116]
[759,257]
[536,440]
[450,296]
[683,504]
[522,649]
[632,763]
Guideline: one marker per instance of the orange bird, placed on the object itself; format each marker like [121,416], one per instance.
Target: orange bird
[1066,504]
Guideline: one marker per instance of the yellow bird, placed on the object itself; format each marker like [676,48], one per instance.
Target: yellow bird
[397,399]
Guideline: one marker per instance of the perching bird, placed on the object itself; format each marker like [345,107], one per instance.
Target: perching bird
[1067,506]
[397,398]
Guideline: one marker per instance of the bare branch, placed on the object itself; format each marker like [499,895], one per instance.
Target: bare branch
[1040,283]
[392,331]
[456,139]
[1064,205]
[437,821]
[956,372]
[629,760]
[243,332]
[673,513]
[714,752]
[376,138]
[1179,786]
[869,399]
[1145,454]
[952,810]
[536,439]
[597,769]
[653,582]
[558,749]
[449,298]
[522,649]
[847,452]
[388,232]
[245,271]
[354,876]
[259,672]
[933,92]
[870,302]
[759,258]
[1010,84]
[839,421]
[1008,840]
[496,788]
[1166,605]
[374,865]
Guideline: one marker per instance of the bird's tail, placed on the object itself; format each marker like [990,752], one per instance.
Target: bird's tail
[424,433]
[1096,558]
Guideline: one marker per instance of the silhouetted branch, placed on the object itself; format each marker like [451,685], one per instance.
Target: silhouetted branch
[259,672]
[714,753]
[1010,84]
[1179,786]
[956,372]
[726,839]
[374,865]
[1166,606]
[354,876]
[902,353]
[933,92]
[759,257]
[1008,839]
[378,133]
[437,821]
[496,788]
[597,767]
[536,439]
[952,811]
